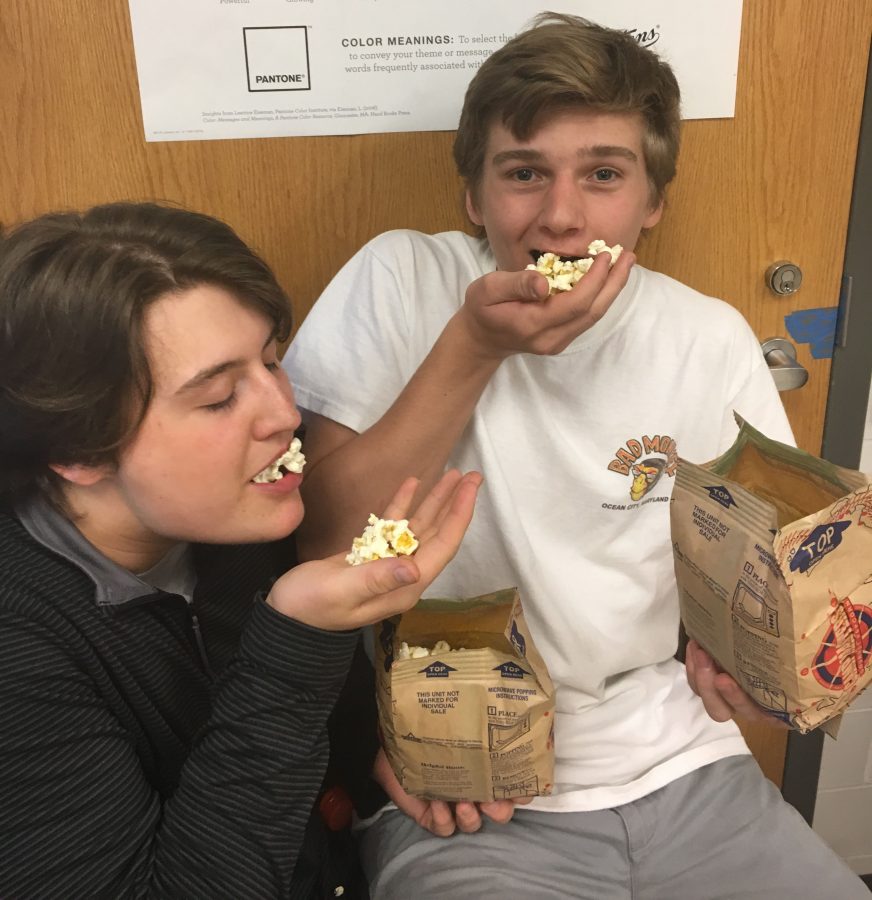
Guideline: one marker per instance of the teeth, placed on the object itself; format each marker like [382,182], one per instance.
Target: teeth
[292,460]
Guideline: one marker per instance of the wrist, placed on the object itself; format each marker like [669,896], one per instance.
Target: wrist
[472,345]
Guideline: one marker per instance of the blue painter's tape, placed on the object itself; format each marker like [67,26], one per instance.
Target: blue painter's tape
[815,327]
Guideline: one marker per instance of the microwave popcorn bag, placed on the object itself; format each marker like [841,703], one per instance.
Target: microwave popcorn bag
[773,558]
[473,718]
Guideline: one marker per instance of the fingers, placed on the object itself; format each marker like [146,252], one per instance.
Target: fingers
[434,815]
[433,507]
[393,585]
[512,312]
[438,549]
[467,816]
[690,665]
[402,500]
[722,696]
[615,282]
[594,294]
[500,811]
[434,503]
[353,596]
[705,687]
[743,705]
[461,495]
[506,287]
[437,818]
[381,576]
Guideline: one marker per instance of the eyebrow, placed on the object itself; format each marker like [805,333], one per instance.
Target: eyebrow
[205,375]
[597,151]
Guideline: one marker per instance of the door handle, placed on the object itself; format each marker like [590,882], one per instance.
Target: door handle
[780,356]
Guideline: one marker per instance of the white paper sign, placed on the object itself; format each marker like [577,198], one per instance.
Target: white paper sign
[212,69]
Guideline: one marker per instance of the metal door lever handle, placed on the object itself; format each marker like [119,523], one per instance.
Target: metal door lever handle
[780,356]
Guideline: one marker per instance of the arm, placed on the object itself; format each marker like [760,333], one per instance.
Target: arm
[82,813]
[504,313]
[81,816]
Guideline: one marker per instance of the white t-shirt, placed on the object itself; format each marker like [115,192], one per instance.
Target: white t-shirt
[563,513]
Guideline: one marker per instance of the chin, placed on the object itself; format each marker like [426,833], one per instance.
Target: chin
[250,528]
[288,520]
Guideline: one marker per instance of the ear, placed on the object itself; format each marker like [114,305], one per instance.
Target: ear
[654,215]
[81,475]
[472,210]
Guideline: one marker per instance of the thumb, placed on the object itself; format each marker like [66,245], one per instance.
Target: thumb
[385,575]
[530,285]
[505,287]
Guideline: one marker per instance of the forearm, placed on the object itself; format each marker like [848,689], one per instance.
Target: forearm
[233,825]
[248,789]
[346,483]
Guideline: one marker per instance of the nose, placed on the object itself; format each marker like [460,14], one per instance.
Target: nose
[277,411]
[562,208]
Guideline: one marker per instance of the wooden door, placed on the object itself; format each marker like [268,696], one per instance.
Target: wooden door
[772,183]
[775,183]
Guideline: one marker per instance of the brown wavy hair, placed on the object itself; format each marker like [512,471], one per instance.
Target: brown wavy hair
[562,62]
[74,287]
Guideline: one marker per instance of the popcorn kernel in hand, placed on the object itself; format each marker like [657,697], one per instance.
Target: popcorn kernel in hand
[382,538]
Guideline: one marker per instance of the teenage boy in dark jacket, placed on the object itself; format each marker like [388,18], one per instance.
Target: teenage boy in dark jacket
[166,673]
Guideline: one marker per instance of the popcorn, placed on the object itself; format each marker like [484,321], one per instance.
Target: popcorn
[407,652]
[597,247]
[292,460]
[382,538]
[564,274]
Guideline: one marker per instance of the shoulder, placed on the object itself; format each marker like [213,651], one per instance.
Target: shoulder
[29,570]
[43,601]
[443,248]
[684,307]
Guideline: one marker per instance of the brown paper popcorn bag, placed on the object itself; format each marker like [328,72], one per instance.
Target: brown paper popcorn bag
[773,557]
[473,722]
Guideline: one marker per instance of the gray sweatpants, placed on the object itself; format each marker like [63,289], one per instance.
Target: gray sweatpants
[721,832]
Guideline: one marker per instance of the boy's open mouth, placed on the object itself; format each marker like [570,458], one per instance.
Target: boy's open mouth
[536,254]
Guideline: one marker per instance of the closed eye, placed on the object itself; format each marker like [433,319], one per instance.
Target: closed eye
[226,403]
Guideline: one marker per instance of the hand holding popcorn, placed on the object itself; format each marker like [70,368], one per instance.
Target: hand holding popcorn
[564,274]
[515,312]
[336,596]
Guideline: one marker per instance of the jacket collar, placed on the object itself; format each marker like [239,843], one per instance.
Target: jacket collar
[114,585]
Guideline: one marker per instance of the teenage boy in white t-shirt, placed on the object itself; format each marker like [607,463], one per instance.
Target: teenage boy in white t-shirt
[574,406]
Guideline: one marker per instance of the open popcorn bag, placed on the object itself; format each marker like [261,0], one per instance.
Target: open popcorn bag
[773,558]
[465,702]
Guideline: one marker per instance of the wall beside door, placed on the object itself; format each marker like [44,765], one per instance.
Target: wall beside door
[843,808]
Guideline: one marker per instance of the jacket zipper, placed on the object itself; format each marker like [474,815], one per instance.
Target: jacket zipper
[198,636]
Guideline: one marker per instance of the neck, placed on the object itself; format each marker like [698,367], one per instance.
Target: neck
[107,523]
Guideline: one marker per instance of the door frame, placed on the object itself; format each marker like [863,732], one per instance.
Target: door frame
[847,403]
